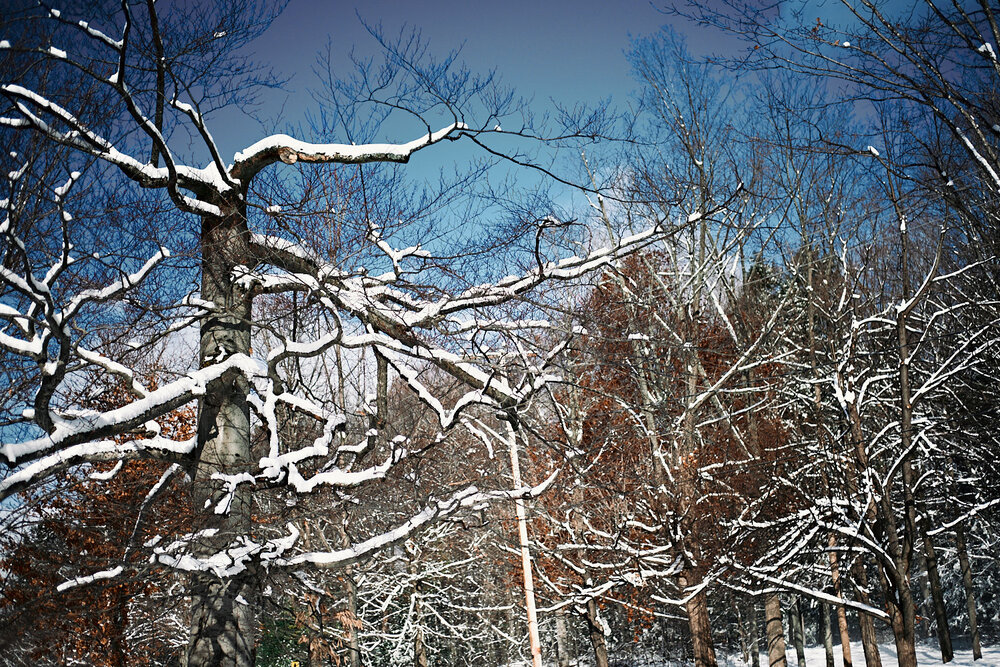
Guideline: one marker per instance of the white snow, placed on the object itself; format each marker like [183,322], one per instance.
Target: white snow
[927,654]
[344,152]
[872,150]
[58,53]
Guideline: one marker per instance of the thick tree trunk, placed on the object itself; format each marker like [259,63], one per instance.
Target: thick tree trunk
[937,595]
[223,618]
[797,631]
[902,614]
[701,631]
[970,591]
[775,631]
[826,630]
[596,629]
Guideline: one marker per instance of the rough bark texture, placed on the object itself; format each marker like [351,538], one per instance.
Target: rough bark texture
[754,637]
[223,620]
[845,635]
[562,639]
[596,630]
[970,591]
[902,620]
[701,631]
[826,630]
[869,638]
[797,631]
[775,631]
[937,596]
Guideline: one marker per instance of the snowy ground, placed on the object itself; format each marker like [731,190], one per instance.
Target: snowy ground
[927,656]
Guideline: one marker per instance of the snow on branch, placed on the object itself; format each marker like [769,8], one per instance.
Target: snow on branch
[289,150]
[94,426]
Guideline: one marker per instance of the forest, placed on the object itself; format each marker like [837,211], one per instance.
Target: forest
[448,375]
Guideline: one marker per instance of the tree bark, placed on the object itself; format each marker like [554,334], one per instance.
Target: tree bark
[223,618]
[797,631]
[562,639]
[744,634]
[419,647]
[901,615]
[869,638]
[937,595]
[754,637]
[596,629]
[845,635]
[775,631]
[826,629]
[701,630]
[970,591]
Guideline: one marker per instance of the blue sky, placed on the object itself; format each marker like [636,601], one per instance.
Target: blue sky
[568,51]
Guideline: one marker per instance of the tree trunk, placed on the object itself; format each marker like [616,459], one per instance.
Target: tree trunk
[775,631]
[596,629]
[797,631]
[970,591]
[419,649]
[937,595]
[869,639]
[744,635]
[562,639]
[924,623]
[223,618]
[701,630]
[902,614]
[826,629]
[754,637]
[845,635]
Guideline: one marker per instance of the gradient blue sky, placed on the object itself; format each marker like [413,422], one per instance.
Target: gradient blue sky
[568,51]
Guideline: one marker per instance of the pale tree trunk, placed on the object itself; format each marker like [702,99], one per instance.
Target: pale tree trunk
[596,630]
[775,631]
[937,595]
[522,533]
[797,631]
[562,639]
[223,618]
[826,630]
[970,591]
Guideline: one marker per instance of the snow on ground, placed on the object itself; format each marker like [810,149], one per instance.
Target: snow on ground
[927,655]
